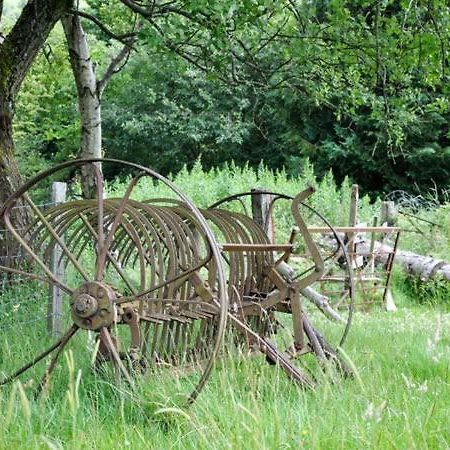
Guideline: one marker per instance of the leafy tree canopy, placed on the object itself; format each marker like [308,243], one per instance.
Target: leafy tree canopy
[360,87]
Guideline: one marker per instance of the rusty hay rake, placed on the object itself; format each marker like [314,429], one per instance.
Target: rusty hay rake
[159,281]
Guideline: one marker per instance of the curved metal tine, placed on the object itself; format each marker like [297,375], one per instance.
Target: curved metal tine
[64,340]
[178,258]
[189,255]
[105,336]
[232,258]
[32,276]
[101,259]
[62,218]
[244,227]
[113,260]
[243,268]
[167,281]
[23,369]
[239,224]
[56,237]
[79,242]
[28,249]
[138,235]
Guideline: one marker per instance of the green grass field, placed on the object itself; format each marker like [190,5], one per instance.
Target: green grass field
[399,398]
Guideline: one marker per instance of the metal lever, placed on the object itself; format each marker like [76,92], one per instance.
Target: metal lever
[312,247]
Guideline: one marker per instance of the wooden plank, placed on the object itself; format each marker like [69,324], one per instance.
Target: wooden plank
[231,247]
[358,279]
[354,229]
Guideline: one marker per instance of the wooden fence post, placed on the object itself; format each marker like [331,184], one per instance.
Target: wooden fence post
[262,212]
[353,216]
[352,221]
[54,310]
[388,213]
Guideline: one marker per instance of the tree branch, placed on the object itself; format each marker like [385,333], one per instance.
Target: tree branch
[115,66]
[144,12]
[165,9]
[173,47]
[124,38]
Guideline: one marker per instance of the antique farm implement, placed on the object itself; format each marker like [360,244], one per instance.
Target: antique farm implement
[159,281]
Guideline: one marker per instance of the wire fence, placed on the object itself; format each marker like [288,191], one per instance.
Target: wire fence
[24,301]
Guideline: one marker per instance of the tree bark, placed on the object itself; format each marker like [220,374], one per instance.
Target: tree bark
[423,267]
[90,91]
[10,179]
[18,50]
[88,100]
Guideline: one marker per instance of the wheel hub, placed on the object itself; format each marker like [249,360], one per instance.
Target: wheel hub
[93,306]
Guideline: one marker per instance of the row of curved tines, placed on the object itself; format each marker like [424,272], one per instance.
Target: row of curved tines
[156,247]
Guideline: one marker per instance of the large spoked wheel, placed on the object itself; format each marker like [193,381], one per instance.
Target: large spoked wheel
[135,274]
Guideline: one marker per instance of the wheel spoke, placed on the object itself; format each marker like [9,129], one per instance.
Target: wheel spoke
[57,238]
[38,358]
[100,209]
[113,260]
[106,338]
[28,249]
[63,342]
[33,276]
[103,251]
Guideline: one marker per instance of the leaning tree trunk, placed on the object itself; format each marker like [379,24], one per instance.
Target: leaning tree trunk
[10,179]
[18,50]
[88,101]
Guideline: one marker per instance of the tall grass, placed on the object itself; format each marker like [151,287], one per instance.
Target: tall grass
[400,399]
[206,187]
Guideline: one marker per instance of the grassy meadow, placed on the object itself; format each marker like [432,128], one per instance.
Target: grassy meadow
[399,397]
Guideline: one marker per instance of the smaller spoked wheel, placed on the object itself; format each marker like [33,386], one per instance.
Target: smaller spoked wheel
[146,278]
[277,290]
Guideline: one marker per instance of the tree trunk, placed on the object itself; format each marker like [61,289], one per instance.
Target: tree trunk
[10,179]
[88,100]
[18,50]
[424,267]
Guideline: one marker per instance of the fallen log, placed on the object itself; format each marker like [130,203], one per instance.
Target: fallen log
[423,267]
[316,298]
[322,302]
